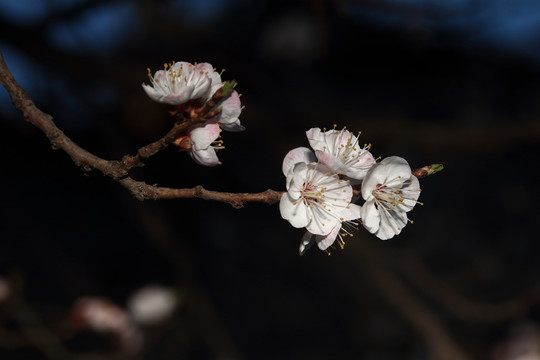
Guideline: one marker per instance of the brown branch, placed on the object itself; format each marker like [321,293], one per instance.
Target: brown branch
[187,116]
[57,138]
[143,191]
[119,170]
[152,149]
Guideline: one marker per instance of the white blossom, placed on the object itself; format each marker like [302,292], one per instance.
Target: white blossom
[202,143]
[316,199]
[181,82]
[341,152]
[390,191]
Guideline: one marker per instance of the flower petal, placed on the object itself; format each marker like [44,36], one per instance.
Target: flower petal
[333,163]
[370,216]
[323,219]
[201,87]
[214,77]
[391,224]
[324,241]
[183,95]
[230,109]
[204,135]
[391,172]
[234,126]
[410,192]
[358,165]
[351,212]
[306,242]
[207,157]
[295,156]
[152,93]
[316,139]
[293,211]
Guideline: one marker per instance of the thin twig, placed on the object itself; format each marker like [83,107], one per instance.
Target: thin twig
[118,170]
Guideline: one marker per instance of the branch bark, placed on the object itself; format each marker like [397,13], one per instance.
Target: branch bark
[118,170]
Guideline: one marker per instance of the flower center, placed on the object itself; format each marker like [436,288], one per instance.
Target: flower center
[390,196]
[348,152]
[310,193]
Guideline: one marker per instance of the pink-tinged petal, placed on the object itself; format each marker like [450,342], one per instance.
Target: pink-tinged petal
[325,241]
[306,242]
[333,163]
[181,97]
[234,126]
[206,157]
[360,166]
[152,93]
[295,156]
[295,212]
[230,109]
[370,216]
[316,139]
[202,136]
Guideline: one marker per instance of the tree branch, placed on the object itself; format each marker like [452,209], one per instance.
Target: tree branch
[118,170]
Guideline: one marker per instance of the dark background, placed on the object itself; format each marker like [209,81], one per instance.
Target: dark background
[451,82]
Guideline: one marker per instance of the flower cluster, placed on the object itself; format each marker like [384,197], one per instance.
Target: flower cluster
[320,192]
[183,86]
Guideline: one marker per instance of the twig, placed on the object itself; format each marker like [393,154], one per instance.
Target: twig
[118,170]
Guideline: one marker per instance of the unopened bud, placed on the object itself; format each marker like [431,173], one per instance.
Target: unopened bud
[428,170]
[183,142]
[228,86]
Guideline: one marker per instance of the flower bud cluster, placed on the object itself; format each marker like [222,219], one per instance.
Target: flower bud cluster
[320,194]
[197,90]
